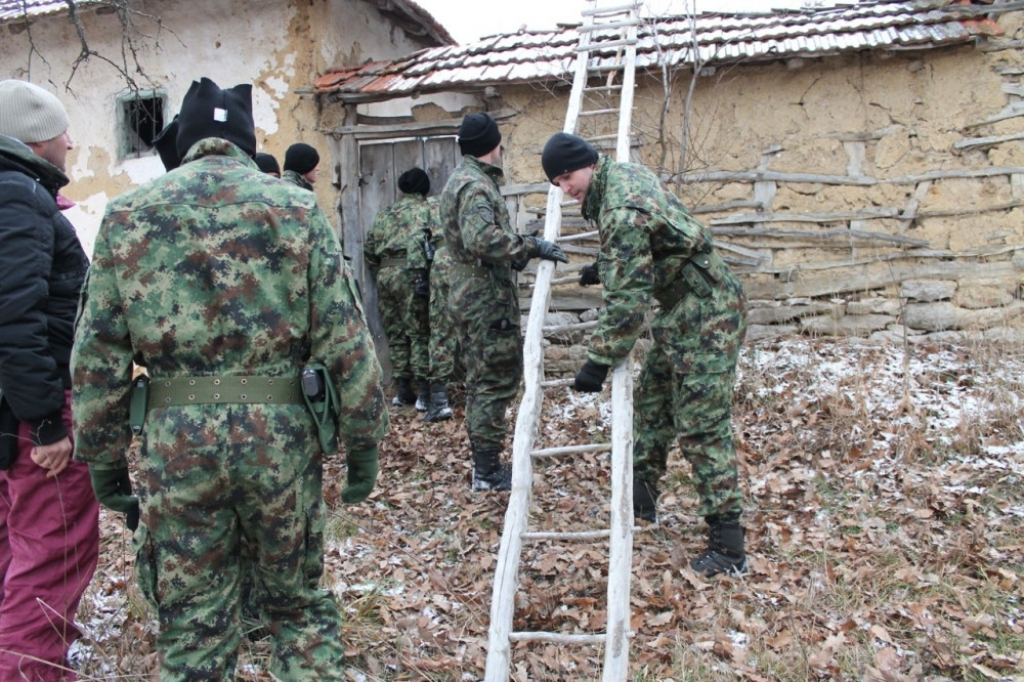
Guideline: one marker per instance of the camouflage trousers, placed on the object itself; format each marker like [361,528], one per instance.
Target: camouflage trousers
[486,313]
[406,323]
[684,395]
[444,341]
[201,494]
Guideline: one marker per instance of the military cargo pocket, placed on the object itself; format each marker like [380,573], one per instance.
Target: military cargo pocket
[145,565]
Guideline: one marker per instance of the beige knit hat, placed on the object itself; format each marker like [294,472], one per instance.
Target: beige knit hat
[29,113]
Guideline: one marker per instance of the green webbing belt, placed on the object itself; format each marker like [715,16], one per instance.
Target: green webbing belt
[394,263]
[464,270]
[225,389]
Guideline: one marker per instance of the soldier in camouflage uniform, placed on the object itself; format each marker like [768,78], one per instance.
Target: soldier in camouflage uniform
[224,283]
[653,251]
[395,252]
[483,297]
[301,165]
[443,342]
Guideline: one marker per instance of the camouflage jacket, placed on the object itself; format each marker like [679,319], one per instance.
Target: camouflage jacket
[292,177]
[475,220]
[400,231]
[647,235]
[217,269]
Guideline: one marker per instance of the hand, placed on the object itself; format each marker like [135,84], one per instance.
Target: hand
[590,275]
[421,287]
[363,467]
[113,488]
[54,456]
[590,377]
[549,250]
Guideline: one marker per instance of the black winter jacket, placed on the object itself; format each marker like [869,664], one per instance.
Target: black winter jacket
[42,269]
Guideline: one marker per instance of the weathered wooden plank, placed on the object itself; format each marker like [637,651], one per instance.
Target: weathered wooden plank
[824,235]
[376,190]
[806,217]
[873,276]
[991,141]
[865,181]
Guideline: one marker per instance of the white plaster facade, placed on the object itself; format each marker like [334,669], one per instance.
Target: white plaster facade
[277,45]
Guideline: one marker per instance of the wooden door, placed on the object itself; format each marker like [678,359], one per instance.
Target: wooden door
[380,165]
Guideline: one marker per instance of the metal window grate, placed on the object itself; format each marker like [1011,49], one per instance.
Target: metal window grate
[140,120]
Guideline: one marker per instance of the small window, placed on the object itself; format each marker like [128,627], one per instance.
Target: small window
[140,120]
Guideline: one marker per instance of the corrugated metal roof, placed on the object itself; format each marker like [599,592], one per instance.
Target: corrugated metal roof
[721,38]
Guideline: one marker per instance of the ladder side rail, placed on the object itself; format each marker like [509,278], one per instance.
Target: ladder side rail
[622,147]
[620,550]
[506,575]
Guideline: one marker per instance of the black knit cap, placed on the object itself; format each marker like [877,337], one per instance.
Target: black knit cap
[478,135]
[208,111]
[565,153]
[414,181]
[301,158]
[166,144]
[267,163]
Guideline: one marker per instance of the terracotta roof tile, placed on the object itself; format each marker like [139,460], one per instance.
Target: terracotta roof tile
[722,38]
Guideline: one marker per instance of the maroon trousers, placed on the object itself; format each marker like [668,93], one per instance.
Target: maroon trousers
[49,544]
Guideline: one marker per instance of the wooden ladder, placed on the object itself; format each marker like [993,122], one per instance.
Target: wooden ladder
[606,49]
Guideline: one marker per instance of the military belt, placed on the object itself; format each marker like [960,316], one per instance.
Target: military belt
[229,389]
[394,263]
[465,270]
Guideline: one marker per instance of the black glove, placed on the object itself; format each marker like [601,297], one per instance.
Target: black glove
[520,265]
[590,377]
[421,287]
[589,275]
[113,488]
[549,250]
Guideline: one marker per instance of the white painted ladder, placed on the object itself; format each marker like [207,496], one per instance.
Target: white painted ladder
[607,48]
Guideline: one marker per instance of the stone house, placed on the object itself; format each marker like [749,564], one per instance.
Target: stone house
[861,166]
[146,53]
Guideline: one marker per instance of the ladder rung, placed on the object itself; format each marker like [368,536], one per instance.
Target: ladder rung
[556,638]
[599,88]
[572,450]
[577,536]
[611,43]
[568,327]
[602,137]
[612,9]
[606,68]
[598,112]
[557,383]
[579,236]
[611,24]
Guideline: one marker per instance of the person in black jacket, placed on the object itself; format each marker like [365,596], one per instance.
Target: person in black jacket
[49,516]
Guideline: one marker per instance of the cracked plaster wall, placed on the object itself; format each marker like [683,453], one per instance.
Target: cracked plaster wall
[277,46]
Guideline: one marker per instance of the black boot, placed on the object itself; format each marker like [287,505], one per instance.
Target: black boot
[439,409]
[725,550]
[423,397]
[405,396]
[645,498]
[488,471]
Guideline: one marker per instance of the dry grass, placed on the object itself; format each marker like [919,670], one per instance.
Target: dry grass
[885,532]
